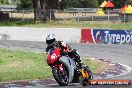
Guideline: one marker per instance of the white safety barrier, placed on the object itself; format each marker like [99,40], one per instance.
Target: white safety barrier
[39,34]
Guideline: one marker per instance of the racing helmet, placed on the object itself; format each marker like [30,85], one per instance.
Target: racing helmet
[50,39]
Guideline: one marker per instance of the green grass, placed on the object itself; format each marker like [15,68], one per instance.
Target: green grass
[69,24]
[21,65]
[95,65]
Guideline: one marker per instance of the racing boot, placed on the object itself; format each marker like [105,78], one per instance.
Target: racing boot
[81,65]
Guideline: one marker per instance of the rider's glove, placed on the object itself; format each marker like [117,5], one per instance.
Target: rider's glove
[47,49]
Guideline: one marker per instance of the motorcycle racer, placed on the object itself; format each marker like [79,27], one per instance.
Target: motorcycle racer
[63,47]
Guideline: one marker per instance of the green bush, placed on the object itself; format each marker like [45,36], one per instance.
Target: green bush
[25,4]
[4,2]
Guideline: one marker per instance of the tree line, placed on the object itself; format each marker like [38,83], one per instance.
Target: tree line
[45,6]
[62,4]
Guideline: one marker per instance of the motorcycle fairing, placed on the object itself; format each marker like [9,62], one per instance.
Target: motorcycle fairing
[53,56]
[70,64]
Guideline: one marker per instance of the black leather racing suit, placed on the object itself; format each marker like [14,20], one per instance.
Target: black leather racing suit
[64,48]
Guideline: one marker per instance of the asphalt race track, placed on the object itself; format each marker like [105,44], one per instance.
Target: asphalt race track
[117,53]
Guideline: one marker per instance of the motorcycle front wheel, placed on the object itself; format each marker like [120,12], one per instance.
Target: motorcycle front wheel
[61,77]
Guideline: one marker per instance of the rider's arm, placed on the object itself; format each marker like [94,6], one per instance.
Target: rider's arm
[64,46]
[49,46]
[54,44]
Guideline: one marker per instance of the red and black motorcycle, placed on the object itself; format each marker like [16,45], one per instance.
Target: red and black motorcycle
[65,70]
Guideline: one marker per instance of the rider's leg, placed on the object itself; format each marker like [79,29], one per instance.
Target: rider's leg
[77,57]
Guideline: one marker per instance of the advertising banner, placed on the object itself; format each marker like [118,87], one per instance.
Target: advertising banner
[109,36]
[86,36]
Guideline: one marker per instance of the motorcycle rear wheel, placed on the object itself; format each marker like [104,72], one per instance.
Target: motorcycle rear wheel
[62,78]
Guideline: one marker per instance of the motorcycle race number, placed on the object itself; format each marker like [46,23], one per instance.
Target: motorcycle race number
[54,56]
